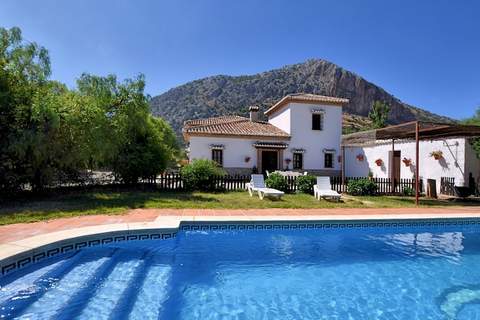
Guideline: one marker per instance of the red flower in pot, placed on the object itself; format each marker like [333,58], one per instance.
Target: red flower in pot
[360,157]
[379,162]
[407,162]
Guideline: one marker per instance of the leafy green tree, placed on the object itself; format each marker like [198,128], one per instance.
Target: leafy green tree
[49,148]
[134,143]
[50,134]
[379,114]
[24,69]
[475,120]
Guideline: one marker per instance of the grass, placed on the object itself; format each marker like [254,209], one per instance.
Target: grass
[106,202]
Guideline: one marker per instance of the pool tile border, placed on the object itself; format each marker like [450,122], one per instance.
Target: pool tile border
[31,256]
[327,224]
[20,254]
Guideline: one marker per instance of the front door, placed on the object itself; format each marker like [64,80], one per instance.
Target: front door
[269,161]
[395,168]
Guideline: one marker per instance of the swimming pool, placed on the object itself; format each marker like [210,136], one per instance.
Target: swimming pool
[349,270]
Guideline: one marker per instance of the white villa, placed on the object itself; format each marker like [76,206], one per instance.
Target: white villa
[303,133]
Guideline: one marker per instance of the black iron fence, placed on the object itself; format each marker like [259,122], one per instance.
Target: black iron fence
[238,182]
[447,186]
[385,186]
[174,182]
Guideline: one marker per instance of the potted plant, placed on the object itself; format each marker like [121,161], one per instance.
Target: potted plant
[379,162]
[437,154]
[247,159]
[360,157]
[407,162]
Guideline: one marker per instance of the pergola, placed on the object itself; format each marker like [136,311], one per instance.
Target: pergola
[414,130]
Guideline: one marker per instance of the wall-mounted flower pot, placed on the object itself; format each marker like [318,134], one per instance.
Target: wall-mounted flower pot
[247,159]
[407,162]
[437,155]
[360,157]
[379,162]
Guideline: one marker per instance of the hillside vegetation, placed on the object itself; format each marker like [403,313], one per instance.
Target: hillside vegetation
[224,95]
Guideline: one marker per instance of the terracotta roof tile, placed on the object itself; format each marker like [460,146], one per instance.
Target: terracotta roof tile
[232,126]
[307,98]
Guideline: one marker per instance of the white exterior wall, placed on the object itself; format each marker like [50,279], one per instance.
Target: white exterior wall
[234,152]
[282,120]
[313,141]
[458,160]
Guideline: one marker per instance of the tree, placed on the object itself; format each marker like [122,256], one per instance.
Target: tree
[475,120]
[134,144]
[24,69]
[379,114]
[48,148]
[50,134]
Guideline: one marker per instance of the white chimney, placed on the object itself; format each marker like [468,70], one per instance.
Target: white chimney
[253,113]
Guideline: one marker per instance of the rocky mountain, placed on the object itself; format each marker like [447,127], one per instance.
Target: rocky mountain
[223,95]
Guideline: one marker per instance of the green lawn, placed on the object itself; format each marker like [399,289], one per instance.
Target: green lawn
[119,202]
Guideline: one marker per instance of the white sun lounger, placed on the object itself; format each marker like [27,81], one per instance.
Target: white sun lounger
[257,184]
[323,189]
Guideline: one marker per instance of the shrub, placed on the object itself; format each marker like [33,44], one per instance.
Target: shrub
[277,181]
[407,191]
[199,174]
[362,187]
[305,184]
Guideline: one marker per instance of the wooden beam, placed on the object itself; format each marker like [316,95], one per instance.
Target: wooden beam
[343,165]
[391,164]
[417,164]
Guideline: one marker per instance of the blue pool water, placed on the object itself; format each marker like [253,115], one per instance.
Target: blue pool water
[372,273]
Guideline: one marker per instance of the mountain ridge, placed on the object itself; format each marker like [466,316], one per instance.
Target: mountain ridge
[226,95]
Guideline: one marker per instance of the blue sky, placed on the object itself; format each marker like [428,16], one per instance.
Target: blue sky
[427,53]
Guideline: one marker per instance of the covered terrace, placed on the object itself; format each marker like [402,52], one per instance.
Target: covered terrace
[415,131]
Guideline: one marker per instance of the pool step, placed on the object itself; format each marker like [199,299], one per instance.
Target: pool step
[147,301]
[125,303]
[15,305]
[104,297]
[65,286]
[24,279]
[79,300]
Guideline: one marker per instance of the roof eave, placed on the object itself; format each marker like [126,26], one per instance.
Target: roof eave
[290,99]
[187,135]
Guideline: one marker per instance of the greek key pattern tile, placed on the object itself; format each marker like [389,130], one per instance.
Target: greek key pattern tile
[286,225]
[36,255]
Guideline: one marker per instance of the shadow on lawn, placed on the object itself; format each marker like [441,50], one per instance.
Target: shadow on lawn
[99,201]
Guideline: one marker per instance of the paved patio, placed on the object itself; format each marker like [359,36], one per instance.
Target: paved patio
[15,232]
